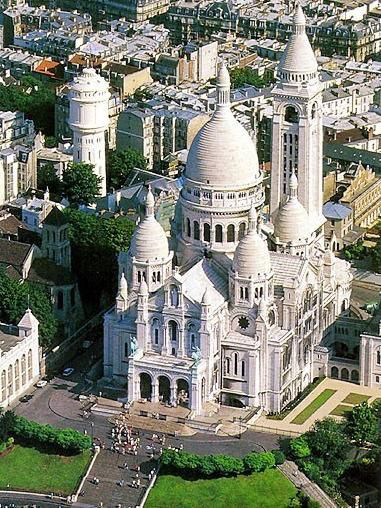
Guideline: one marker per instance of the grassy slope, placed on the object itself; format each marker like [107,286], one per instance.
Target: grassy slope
[29,469]
[265,490]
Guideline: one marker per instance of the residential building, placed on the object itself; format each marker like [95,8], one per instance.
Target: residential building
[19,358]
[156,133]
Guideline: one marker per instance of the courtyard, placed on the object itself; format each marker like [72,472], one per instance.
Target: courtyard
[30,469]
[268,489]
[331,397]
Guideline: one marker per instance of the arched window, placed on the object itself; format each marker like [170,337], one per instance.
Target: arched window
[243,368]
[139,276]
[241,230]
[227,365]
[60,300]
[30,365]
[158,277]
[235,363]
[196,230]
[313,110]
[246,293]
[172,329]
[3,386]
[378,357]
[345,374]
[335,372]
[154,277]
[219,233]
[231,233]
[17,375]
[10,381]
[23,370]
[291,115]
[155,331]
[206,233]
[241,293]
[189,232]
[174,296]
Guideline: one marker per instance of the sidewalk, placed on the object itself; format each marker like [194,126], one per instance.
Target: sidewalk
[300,480]
[342,388]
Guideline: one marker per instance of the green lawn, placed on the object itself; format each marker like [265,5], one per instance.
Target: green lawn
[262,490]
[29,469]
[355,398]
[340,410]
[313,406]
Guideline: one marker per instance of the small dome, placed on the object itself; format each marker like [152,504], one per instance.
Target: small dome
[223,77]
[299,17]
[123,287]
[252,256]
[292,222]
[149,241]
[298,57]
[143,288]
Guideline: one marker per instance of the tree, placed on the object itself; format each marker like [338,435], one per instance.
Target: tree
[35,99]
[121,163]
[328,442]
[16,296]
[47,177]
[80,184]
[248,76]
[96,242]
[299,448]
[362,424]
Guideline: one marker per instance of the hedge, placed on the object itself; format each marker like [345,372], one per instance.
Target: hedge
[216,465]
[65,440]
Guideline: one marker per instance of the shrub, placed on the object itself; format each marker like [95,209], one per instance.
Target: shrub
[279,457]
[257,462]
[224,465]
[65,440]
[299,448]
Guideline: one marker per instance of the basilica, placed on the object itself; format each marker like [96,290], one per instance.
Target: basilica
[232,308]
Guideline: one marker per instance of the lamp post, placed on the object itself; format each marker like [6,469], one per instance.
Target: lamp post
[92,432]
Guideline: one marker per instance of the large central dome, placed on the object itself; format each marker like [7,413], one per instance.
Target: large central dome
[223,154]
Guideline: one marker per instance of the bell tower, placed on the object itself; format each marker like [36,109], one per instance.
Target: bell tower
[297,133]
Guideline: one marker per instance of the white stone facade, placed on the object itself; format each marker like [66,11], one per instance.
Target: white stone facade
[19,358]
[89,119]
[230,320]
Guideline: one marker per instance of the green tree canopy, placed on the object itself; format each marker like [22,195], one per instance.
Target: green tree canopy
[34,98]
[248,76]
[47,177]
[328,442]
[80,184]
[121,163]
[14,296]
[362,424]
[96,242]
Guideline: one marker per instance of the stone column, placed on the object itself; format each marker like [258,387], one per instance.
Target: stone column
[180,351]
[155,390]
[173,392]
[164,349]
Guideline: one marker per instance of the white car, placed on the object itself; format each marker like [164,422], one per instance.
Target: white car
[41,383]
[68,372]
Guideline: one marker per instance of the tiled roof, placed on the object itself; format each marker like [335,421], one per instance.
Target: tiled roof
[13,253]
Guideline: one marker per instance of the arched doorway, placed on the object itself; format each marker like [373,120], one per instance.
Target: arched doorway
[355,376]
[234,402]
[182,392]
[335,372]
[164,389]
[145,386]
[344,374]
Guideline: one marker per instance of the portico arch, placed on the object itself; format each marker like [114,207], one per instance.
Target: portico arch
[164,389]
[145,386]
[182,386]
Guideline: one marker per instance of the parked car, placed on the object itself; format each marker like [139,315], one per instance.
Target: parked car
[26,398]
[68,371]
[41,383]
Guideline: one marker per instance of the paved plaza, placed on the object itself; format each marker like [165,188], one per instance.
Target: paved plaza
[342,390]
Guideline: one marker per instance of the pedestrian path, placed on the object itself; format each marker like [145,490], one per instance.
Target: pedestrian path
[300,480]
